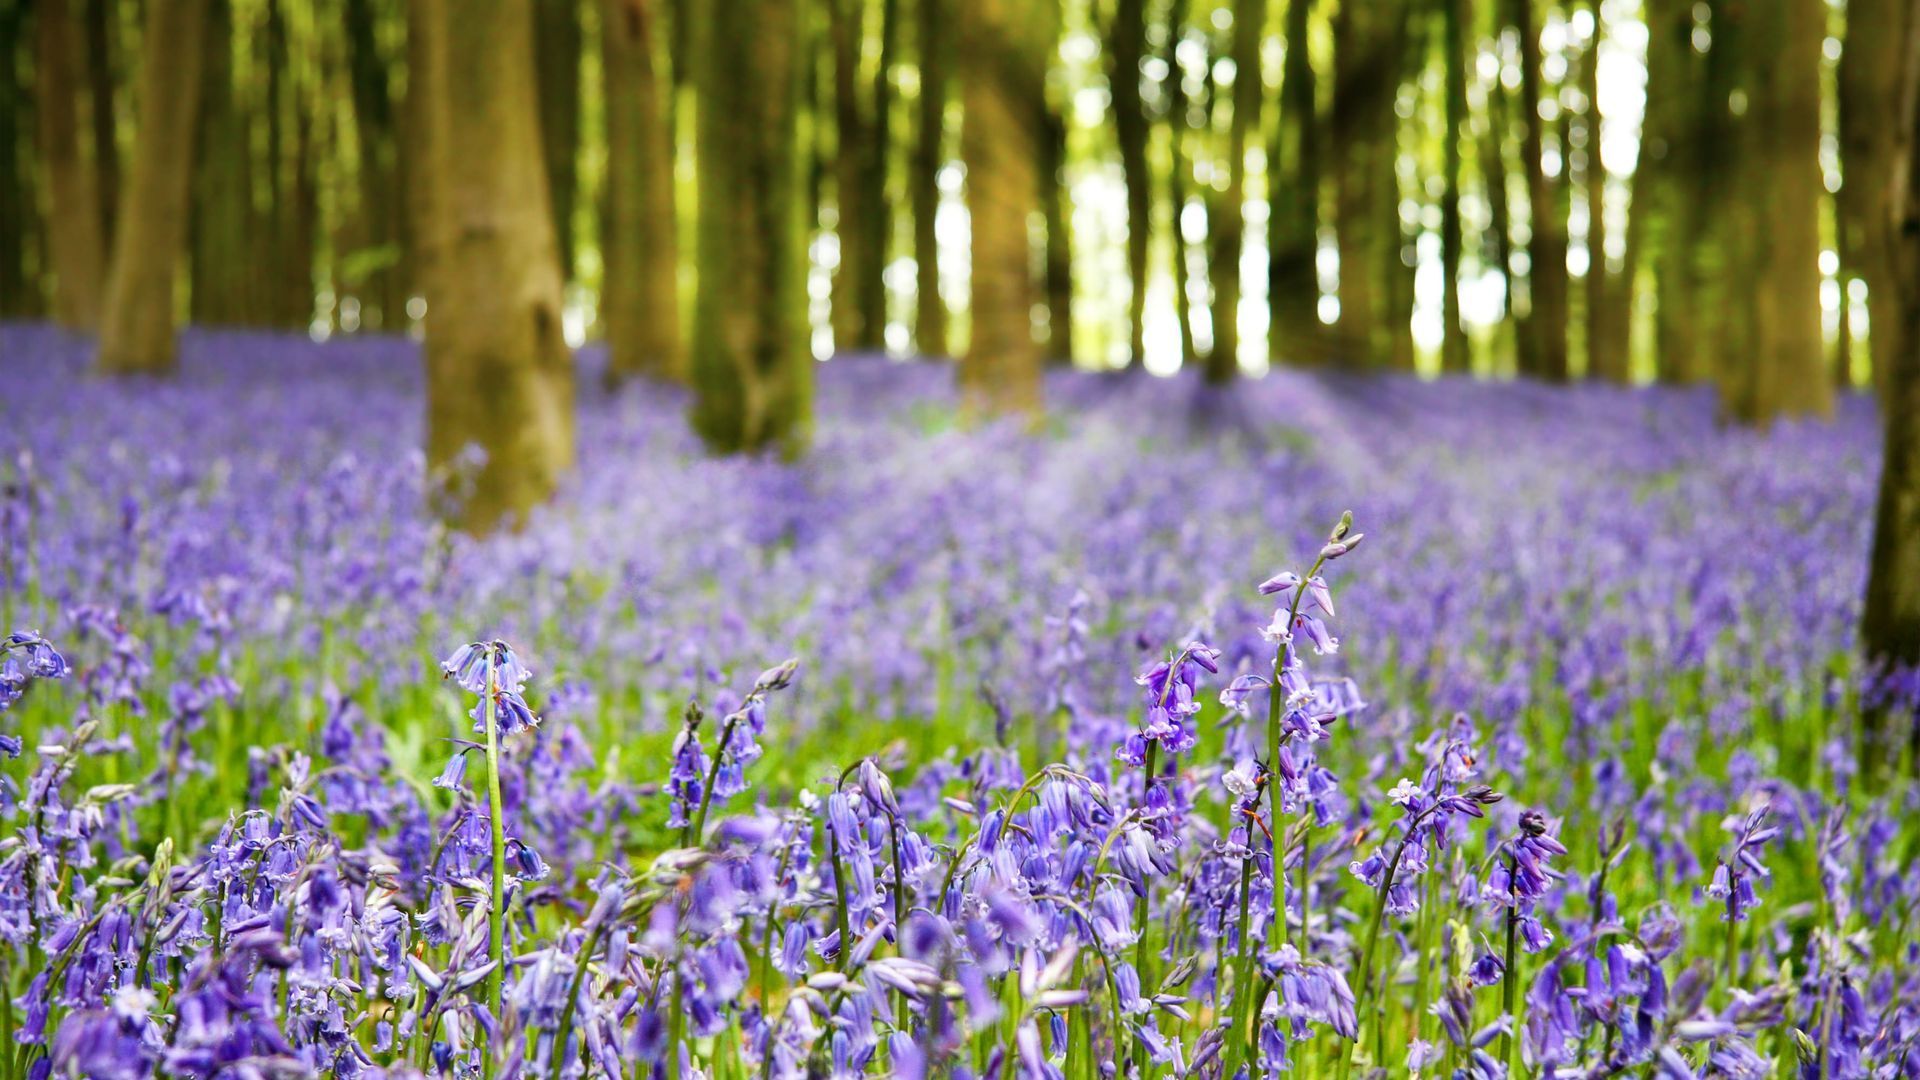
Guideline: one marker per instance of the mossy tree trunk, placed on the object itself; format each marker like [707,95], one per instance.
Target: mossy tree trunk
[223,283]
[558,39]
[1607,357]
[1547,245]
[1179,172]
[1058,215]
[1229,232]
[752,370]
[499,374]
[863,117]
[1126,49]
[137,322]
[1890,625]
[930,310]
[74,247]
[1293,229]
[1002,53]
[102,39]
[1784,372]
[383,292]
[1366,45]
[20,286]
[1454,356]
[640,300]
[1870,70]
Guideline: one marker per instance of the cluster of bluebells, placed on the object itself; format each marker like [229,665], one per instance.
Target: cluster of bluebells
[226,854]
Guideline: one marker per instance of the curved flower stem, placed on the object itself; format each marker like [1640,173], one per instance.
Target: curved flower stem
[1509,980]
[1141,914]
[565,1035]
[696,830]
[496,818]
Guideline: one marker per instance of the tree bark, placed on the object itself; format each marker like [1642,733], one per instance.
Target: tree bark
[558,39]
[137,321]
[73,220]
[1293,223]
[383,293]
[930,311]
[100,27]
[1002,52]
[1870,70]
[1607,357]
[1890,623]
[1126,48]
[20,293]
[640,300]
[752,371]
[1785,371]
[1059,225]
[1229,232]
[499,375]
[1363,125]
[1454,355]
[223,284]
[1547,248]
[861,222]
[1179,170]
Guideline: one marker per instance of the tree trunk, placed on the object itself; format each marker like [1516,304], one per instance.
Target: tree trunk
[1656,215]
[930,311]
[1890,623]
[1002,50]
[876,230]
[383,292]
[752,370]
[1229,232]
[137,321]
[294,211]
[1785,371]
[222,283]
[1059,253]
[1498,240]
[855,203]
[1454,355]
[1607,357]
[73,223]
[1126,48]
[1293,222]
[19,278]
[100,28]
[1869,78]
[499,376]
[640,300]
[418,150]
[1547,249]
[558,42]
[1366,221]
[1179,169]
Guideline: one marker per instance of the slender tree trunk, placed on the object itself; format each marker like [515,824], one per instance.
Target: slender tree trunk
[1890,624]
[1498,239]
[1366,221]
[1002,49]
[1293,221]
[752,371]
[1870,70]
[1229,231]
[1126,48]
[137,321]
[100,27]
[222,285]
[854,204]
[419,150]
[1454,354]
[1654,223]
[1179,170]
[19,279]
[558,43]
[383,295]
[930,311]
[1786,370]
[876,230]
[1059,253]
[1398,254]
[1547,250]
[295,208]
[640,301]
[73,225]
[1607,357]
[499,375]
